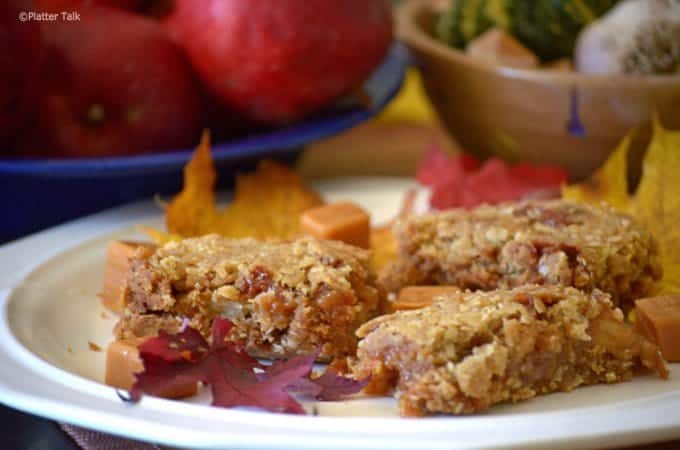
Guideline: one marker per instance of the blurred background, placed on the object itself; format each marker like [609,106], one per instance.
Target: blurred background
[102,101]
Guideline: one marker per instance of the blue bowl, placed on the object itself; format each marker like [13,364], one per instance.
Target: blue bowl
[35,194]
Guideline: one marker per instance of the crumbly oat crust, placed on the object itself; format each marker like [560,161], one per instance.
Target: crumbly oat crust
[541,242]
[284,298]
[471,350]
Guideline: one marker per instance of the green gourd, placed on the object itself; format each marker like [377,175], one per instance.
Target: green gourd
[547,27]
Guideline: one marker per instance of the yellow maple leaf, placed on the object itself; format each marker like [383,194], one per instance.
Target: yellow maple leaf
[656,202]
[192,211]
[267,203]
[411,103]
[157,236]
[608,184]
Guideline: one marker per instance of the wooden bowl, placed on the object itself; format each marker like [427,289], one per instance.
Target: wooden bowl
[571,119]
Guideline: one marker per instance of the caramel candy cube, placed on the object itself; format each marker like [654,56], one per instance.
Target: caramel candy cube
[497,47]
[122,362]
[416,297]
[344,222]
[117,263]
[658,319]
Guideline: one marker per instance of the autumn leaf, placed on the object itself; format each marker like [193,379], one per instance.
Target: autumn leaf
[656,202]
[461,181]
[157,236]
[235,378]
[192,212]
[267,203]
[334,386]
[439,167]
[608,184]
[329,386]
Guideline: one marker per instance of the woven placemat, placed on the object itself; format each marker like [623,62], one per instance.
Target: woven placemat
[94,440]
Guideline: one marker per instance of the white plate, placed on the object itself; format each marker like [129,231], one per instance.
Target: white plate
[50,311]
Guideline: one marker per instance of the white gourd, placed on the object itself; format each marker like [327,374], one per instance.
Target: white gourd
[609,45]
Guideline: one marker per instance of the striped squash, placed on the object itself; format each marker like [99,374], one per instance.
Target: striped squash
[547,27]
[467,19]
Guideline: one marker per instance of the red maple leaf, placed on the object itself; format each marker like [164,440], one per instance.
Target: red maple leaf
[333,386]
[328,386]
[459,181]
[437,167]
[235,378]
